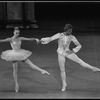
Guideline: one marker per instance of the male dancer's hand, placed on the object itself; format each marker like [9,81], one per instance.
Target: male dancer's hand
[42,41]
[45,40]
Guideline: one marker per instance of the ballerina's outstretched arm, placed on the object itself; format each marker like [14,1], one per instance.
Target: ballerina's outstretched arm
[5,40]
[29,39]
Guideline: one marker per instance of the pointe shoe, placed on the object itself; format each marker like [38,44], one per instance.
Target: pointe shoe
[17,88]
[45,72]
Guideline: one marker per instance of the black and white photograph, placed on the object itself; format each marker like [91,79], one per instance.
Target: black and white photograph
[49,49]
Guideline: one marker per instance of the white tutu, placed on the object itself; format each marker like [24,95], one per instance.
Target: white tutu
[12,55]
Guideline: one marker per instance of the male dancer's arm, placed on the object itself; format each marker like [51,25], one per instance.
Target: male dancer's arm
[78,45]
[49,39]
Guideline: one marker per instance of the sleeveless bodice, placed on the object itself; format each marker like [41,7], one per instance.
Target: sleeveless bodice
[16,45]
[16,54]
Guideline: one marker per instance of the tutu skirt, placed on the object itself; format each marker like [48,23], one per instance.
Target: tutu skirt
[12,55]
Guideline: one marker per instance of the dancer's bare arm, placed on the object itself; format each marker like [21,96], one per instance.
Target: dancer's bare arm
[78,45]
[5,40]
[27,39]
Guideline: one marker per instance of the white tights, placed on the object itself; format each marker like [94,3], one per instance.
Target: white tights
[75,58]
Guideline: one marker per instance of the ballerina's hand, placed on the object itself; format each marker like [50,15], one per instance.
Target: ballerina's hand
[37,40]
[45,72]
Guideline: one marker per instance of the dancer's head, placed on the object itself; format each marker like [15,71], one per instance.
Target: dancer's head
[68,29]
[16,31]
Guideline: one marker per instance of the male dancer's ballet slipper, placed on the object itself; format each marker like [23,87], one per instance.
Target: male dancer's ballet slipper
[95,69]
[64,87]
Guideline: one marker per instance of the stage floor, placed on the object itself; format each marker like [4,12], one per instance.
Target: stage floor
[51,95]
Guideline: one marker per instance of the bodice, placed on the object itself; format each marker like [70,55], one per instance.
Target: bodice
[16,45]
[64,41]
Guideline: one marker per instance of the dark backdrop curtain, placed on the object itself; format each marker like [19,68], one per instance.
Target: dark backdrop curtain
[16,12]
[20,11]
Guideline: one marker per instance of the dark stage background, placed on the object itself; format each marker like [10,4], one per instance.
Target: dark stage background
[50,17]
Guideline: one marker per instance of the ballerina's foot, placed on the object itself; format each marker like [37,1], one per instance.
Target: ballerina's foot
[95,69]
[45,72]
[64,87]
[17,88]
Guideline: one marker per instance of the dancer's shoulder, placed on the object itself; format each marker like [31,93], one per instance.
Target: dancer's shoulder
[61,33]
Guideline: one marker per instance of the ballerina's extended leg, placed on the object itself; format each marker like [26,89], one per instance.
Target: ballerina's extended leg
[15,67]
[35,67]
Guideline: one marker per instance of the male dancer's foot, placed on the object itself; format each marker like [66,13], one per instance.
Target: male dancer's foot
[95,69]
[64,87]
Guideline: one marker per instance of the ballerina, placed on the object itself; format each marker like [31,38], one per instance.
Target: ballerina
[17,54]
[64,40]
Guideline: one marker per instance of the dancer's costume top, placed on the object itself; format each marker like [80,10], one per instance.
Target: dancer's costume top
[64,43]
[16,54]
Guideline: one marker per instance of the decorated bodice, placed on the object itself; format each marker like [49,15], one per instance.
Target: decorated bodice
[64,42]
